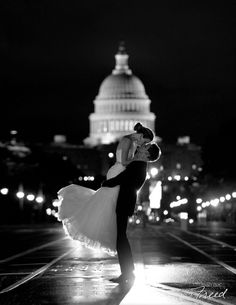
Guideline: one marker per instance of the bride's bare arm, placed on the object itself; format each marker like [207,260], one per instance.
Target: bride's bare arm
[125,146]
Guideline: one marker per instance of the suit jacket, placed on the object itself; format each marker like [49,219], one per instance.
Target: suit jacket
[130,181]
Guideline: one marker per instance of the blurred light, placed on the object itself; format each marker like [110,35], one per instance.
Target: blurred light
[204,204]
[169,178]
[183,215]
[153,171]
[110,155]
[199,169]
[168,220]
[20,194]
[80,178]
[199,208]
[191,221]
[148,176]
[165,212]
[215,202]
[56,203]
[222,199]
[157,218]
[155,195]
[178,197]
[234,194]
[140,208]
[150,217]
[208,203]
[137,221]
[178,166]
[48,211]
[177,177]
[161,167]
[85,178]
[30,197]
[130,220]
[4,191]
[92,178]
[179,202]
[13,132]
[228,197]
[194,166]
[186,178]
[199,200]
[39,199]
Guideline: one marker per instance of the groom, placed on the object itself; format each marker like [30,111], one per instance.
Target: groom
[130,181]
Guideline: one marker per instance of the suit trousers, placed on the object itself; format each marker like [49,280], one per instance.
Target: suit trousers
[124,253]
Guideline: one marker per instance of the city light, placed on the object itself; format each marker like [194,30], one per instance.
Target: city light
[199,200]
[222,199]
[228,197]
[178,197]
[4,191]
[39,199]
[199,209]
[183,215]
[165,212]
[215,202]
[20,194]
[110,155]
[191,221]
[153,171]
[140,208]
[30,197]
[177,177]
[137,221]
[186,178]
[170,178]
[48,211]
[234,194]
[174,204]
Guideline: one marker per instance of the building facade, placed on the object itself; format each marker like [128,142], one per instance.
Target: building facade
[119,105]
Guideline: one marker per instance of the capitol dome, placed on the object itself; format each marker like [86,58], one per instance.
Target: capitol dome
[122,86]
[121,103]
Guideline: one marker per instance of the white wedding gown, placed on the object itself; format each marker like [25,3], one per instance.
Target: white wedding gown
[90,216]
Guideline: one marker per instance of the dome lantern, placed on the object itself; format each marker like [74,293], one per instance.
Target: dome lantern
[121,61]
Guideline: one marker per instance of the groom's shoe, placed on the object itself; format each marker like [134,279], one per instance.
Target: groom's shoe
[124,279]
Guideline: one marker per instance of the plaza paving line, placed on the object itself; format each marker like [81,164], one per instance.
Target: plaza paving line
[226,266]
[211,239]
[10,258]
[35,273]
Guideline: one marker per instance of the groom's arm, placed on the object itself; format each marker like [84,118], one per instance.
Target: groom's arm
[119,179]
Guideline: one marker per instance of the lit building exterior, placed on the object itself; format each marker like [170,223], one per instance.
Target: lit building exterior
[119,105]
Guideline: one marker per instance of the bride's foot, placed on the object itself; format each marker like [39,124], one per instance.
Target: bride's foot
[123,279]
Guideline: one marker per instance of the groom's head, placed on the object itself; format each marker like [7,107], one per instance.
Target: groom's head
[149,152]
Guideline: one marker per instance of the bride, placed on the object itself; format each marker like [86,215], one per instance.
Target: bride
[90,216]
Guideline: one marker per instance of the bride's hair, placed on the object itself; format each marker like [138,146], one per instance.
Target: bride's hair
[154,152]
[146,132]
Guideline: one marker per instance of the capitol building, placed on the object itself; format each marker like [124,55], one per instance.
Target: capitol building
[121,103]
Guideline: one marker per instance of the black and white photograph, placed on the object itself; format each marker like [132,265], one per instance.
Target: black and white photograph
[118,152]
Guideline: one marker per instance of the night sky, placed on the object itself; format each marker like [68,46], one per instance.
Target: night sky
[55,54]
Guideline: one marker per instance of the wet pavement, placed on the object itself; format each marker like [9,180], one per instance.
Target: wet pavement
[38,265]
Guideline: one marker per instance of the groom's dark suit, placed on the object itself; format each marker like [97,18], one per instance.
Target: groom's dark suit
[130,181]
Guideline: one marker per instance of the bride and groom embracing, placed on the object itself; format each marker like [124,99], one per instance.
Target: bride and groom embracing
[98,219]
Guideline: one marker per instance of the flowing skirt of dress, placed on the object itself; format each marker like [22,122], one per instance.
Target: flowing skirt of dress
[90,216]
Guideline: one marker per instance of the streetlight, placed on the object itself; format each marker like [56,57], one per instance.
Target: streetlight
[4,191]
